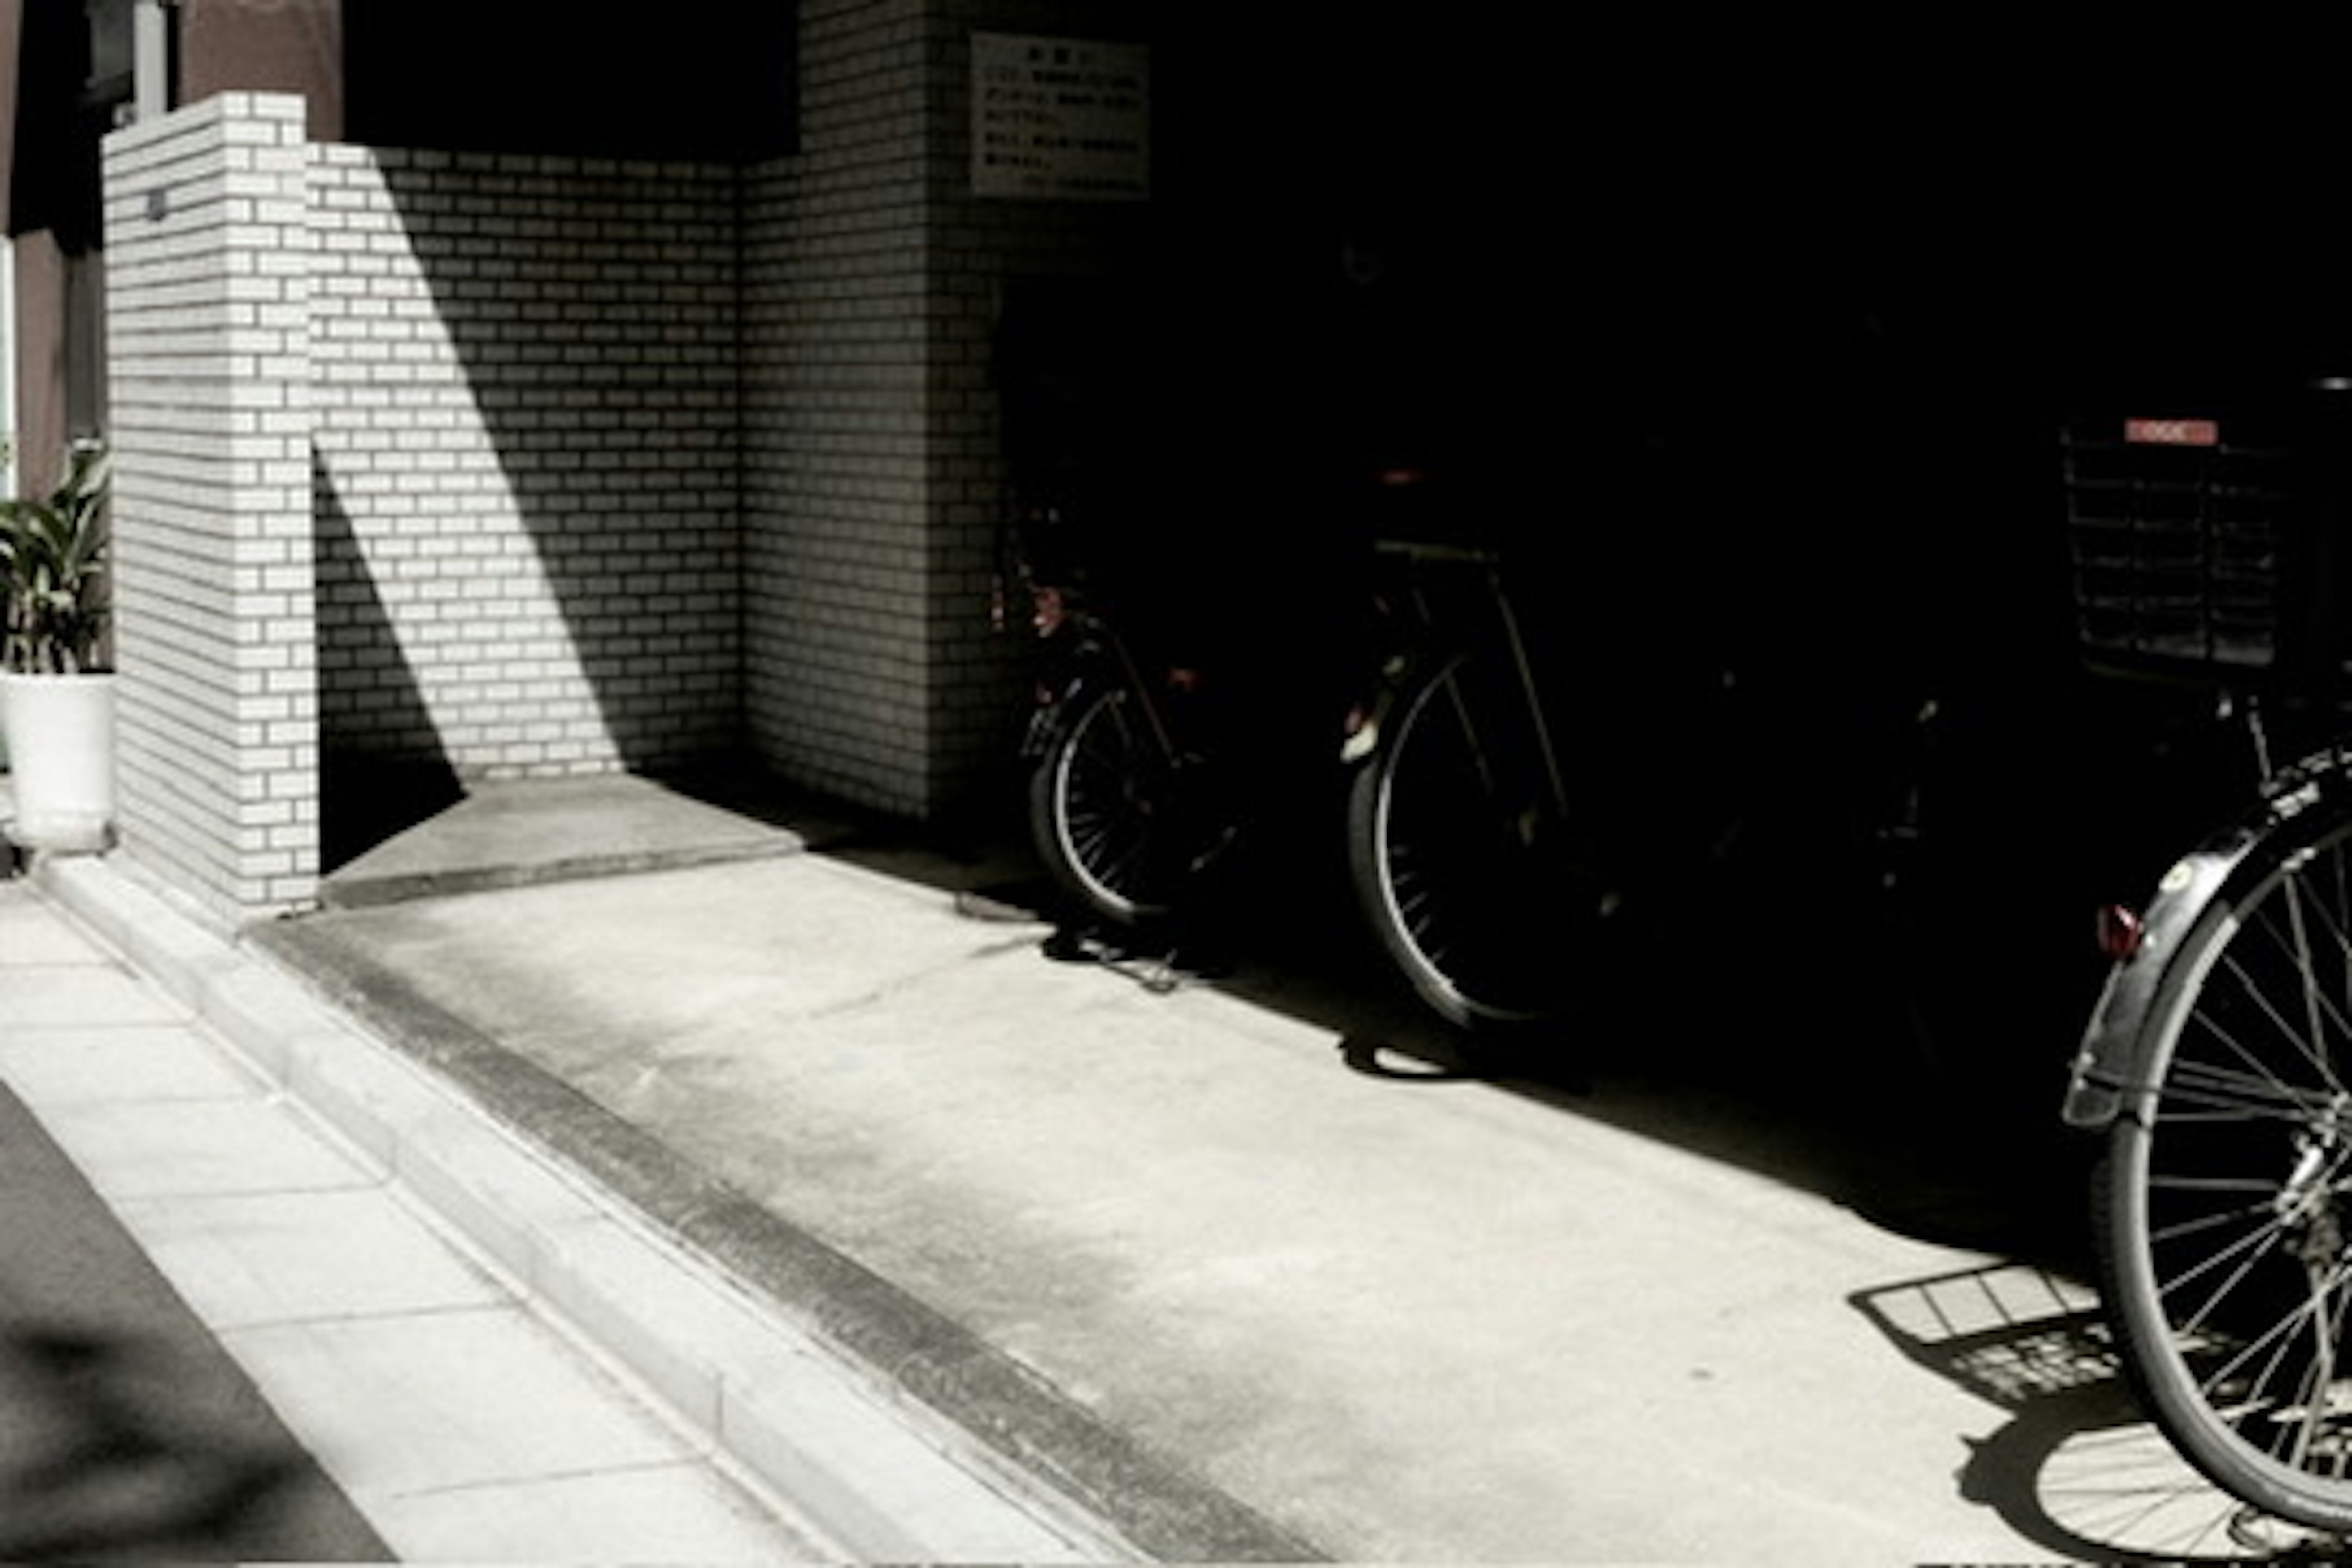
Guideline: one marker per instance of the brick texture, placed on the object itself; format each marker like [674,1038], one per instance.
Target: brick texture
[838,574]
[872,483]
[217,723]
[538,466]
[523,373]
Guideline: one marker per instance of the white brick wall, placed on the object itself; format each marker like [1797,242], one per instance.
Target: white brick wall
[835,493]
[872,484]
[975,245]
[593,464]
[208,355]
[526,434]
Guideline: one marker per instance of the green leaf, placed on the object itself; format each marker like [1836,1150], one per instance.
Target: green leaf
[53,587]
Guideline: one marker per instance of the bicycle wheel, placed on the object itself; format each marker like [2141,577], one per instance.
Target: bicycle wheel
[1459,852]
[2225,1239]
[1114,816]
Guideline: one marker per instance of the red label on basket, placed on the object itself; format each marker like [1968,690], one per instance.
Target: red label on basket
[2172,432]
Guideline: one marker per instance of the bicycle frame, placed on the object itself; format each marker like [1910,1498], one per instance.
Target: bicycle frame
[1086,652]
[1098,656]
[1434,637]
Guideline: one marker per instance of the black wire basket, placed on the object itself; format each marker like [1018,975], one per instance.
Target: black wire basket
[2207,537]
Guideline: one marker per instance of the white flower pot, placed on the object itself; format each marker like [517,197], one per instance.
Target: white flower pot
[61,744]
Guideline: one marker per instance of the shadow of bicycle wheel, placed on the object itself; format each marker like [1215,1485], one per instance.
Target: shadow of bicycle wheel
[2078,1469]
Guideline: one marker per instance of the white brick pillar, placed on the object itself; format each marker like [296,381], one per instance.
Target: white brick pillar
[208,364]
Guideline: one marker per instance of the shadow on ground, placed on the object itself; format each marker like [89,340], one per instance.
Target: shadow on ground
[1786,1042]
[1804,1061]
[1787,1053]
[109,1464]
[2078,1469]
[126,1432]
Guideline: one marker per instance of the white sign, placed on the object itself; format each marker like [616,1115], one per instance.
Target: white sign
[1061,119]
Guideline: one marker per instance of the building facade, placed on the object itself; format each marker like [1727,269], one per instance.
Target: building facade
[528,443]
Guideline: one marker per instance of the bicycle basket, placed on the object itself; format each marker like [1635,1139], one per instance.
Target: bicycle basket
[2201,542]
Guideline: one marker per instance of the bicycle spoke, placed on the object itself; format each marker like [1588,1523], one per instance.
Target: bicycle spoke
[2336,928]
[2321,1311]
[1110,866]
[2230,1185]
[2322,1011]
[2181,1230]
[2248,1350]
[2342,928]
[2309,1398]
[2218,1092]
[2264,1184]
[2336,1337]
[2312,1394]
[2309,1047]
[2247,1254]
[2297,1417]
[2301,956]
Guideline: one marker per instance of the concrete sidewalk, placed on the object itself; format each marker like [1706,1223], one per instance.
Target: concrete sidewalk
[462,1420]
[125,1428]
[493,1359]
[1166,1267]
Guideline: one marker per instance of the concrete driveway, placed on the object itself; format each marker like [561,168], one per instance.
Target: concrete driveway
[1253,1244]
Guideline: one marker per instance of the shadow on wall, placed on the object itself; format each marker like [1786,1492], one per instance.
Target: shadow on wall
[527,422]
[382,766]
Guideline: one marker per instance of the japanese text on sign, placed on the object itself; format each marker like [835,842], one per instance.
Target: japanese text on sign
[1066,119]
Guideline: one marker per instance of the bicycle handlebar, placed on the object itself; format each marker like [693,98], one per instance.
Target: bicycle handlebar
[1435,550]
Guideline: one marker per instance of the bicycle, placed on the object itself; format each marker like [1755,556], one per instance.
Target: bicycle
[1548,796]
[1109,778]
[1504,864]
[1149,770]
[1497,812]
[1120,806]
[2209,544]
[1475,870]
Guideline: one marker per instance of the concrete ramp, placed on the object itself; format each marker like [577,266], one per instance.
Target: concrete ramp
[524,832]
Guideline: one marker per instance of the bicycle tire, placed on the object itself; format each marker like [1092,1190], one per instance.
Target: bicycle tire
[2220,1235]
[1109,814]
[1459,854]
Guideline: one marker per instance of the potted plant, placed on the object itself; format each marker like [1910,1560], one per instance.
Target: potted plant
[57,697]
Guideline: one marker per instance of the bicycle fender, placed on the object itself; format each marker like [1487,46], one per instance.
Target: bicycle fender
[2109,1066]
[1367,721]
[1056,700]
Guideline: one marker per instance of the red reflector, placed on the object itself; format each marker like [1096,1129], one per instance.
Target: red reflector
[1046,611]
[2172,432]
[2120,931]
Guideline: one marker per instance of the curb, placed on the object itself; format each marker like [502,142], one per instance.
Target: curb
[769,1343]
[372,892]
